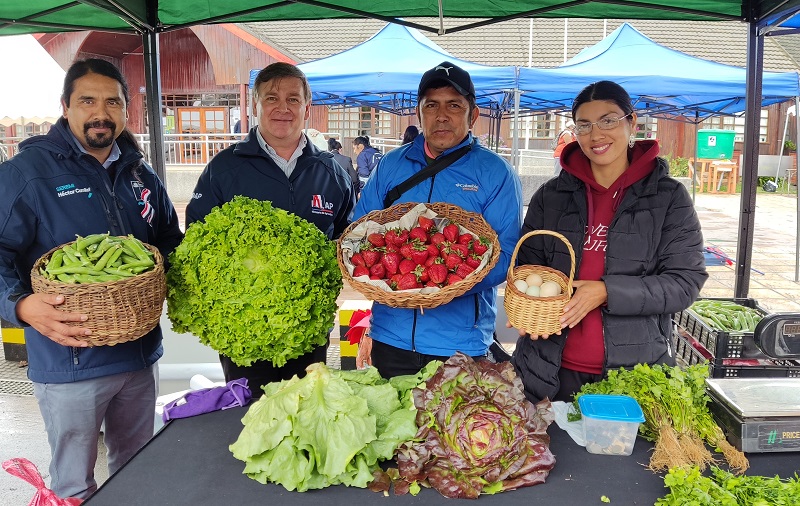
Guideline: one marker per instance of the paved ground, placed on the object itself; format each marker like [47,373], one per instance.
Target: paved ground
[774,286]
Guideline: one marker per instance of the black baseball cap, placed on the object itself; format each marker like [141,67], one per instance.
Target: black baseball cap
[450,74]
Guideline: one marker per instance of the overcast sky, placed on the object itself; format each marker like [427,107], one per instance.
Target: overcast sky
[32,80]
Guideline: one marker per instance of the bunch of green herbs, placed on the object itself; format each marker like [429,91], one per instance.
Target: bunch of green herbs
[677,418]
[688,487]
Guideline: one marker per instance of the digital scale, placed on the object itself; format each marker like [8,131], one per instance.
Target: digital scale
[762,414]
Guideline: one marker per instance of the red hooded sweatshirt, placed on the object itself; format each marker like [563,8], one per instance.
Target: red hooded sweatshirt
[585,350]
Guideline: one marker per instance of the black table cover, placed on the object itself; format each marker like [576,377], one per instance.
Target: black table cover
[188,463]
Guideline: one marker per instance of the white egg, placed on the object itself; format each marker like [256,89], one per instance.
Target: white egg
[533,291]
[521,285]
[549,289]
[534,280]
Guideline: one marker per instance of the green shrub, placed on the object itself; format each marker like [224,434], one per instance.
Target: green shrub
[678,166]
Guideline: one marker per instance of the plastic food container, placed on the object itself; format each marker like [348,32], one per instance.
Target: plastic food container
[610,423]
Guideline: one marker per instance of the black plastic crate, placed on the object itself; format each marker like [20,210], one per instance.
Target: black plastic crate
[722,345]
[689,351]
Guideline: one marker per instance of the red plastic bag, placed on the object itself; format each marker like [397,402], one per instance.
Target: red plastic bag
[25,469]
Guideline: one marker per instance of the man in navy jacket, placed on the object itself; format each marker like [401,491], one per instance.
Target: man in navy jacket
[277,162]
[85,176]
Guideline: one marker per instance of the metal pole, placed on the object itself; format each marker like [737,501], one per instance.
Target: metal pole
[515,144]
[754,71]
[789,183]
[152,79]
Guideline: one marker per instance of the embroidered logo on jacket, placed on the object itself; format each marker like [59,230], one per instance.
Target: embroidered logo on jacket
[320,206]
[142,195]
[66,190]
[467,187]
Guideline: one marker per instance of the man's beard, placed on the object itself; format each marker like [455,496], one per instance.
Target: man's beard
[103,140]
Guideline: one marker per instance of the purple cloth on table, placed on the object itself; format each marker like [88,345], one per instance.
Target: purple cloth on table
[234,394]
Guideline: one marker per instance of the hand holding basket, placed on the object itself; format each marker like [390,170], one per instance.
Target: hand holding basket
[537,315]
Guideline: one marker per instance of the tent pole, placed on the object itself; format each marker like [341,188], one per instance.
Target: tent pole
[754,73]
[696,162]
[152,79]
[515,143]
[789,186]
[780,148]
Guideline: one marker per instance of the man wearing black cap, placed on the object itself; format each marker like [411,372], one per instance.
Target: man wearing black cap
[475,179]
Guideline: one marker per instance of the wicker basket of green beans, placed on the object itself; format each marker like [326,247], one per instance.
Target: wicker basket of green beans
[118,282]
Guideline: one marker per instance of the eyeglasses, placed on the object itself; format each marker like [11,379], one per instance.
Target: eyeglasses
[609,123]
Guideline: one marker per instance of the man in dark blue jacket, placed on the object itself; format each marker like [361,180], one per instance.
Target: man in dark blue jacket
[85,176]
[277,162]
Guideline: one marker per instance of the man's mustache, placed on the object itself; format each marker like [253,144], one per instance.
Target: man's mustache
[100,124]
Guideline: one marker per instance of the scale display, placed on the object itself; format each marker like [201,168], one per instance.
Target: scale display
[778,336]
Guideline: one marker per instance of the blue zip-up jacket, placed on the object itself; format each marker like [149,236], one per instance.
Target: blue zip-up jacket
[50,192]
[367,160]
[319,190]
[480,182]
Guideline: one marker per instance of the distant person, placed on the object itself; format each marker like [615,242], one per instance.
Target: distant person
[367,158]
[411,133]
[86,176]
[237,127]
[278,162]
[345,161]
[564,137]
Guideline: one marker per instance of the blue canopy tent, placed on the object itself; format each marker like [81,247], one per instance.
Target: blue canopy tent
[384,72]
[662,81]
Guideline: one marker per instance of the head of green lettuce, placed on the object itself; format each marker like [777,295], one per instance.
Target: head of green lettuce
[254,282]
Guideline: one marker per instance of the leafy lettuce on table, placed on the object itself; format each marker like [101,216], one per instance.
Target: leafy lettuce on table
[478,433]
[254,282]
[330,427]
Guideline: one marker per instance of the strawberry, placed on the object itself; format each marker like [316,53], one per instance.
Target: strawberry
[391,261]
[371,257]
[377,271]
[452,261]
[420,254]
[394,280]
[473,261]
[464,239]
[453,279]
[433,251]
[406,266]
[419,234]
[377,240]
[480,246]
[460,249]
[426,223]
[438,238]
[406,250]
[408,282]
[463,270]
[396,236]
[437,273]
[431,284]
[358,260]
[450,232]
[422,274]
[431,260]
[360,270]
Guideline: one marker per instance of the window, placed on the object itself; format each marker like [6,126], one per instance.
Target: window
[354,121]
[736,123]
[646,127]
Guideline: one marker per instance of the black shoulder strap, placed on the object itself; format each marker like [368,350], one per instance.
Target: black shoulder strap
[429,171]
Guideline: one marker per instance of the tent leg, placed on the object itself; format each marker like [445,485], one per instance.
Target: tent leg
[754,70]
[797,194]
[152,78]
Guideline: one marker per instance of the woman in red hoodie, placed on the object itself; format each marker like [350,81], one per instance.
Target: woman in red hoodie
[638,251]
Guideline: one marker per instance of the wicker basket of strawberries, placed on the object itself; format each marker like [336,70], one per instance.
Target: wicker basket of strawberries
[417,255]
